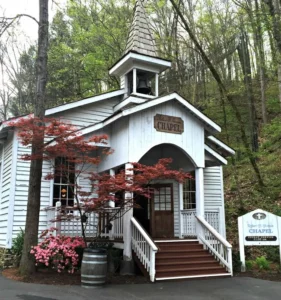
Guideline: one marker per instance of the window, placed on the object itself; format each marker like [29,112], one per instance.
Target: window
[189,200]
[163,198]
[64,182]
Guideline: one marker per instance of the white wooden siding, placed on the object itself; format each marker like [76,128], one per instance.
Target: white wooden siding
[89,114]
[84,179]
[118,133]
[213,192]
[133,136]
[21,192]
[5,189]
[143,136]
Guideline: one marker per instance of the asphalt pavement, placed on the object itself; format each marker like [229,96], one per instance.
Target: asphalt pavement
[238,288]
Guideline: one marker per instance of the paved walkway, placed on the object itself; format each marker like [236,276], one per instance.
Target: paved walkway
[238,288]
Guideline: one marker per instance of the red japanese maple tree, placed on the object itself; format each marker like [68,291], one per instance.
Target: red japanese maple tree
[65,140]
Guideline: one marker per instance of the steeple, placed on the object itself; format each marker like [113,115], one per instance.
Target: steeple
[140,67]
[140,36]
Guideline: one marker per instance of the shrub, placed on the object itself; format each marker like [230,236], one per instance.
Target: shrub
[272,253]
[249,265]
[58,252]
[262,263]
[18,246]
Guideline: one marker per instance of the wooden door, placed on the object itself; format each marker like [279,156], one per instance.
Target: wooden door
[162,211]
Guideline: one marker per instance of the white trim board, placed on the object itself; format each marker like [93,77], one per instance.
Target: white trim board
[121,64]
[195,276]
[176,241]
[12,192]
[221,144]
[83,102]
[129,100]
[210,125]
[216,155]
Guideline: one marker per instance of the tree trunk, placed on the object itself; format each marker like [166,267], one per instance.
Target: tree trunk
[27,265]
[261,60]
[223,92]
[274,10]
[246,68]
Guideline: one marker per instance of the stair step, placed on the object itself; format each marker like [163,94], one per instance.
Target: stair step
[180,265]
[184,256]
[189,268]
[216,275]
[190,271]
[177,243]
[178,247]
[181,251]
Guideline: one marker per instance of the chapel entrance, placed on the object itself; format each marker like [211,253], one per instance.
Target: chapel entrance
[156,214]
[162,211]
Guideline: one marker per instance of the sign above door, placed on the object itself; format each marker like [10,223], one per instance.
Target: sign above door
[168,124]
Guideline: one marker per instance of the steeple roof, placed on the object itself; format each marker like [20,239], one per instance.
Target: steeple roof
[140,36]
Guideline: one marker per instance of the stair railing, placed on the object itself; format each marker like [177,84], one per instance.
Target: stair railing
[144,248]
[215,243]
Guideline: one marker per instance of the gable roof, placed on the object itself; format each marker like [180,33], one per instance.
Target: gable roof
[208,123]
[84,101]
[140,36]
[221,146]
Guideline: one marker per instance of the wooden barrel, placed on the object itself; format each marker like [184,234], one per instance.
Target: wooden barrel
[94,268]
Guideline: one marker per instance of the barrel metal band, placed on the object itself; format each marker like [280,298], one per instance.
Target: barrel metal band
[93,276]
[85,281]
[94,262]
[95,256]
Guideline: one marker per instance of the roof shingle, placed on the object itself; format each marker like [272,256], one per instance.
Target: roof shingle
[140,36]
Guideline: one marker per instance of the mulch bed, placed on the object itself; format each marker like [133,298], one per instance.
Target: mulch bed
[45,276]
[265,275]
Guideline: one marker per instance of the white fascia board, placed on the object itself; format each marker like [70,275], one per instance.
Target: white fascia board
[100,125]
[152,103]
[221,144]
[127,101]
[140,57]
[9,238]
[172,96]
[216,155]
[83,102]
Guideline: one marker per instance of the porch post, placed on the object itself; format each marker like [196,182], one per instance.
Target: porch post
[127,267]
[111,173]
[134,81]
[200,210]
[181,208]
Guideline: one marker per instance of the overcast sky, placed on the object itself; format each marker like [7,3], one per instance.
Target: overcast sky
[31,7]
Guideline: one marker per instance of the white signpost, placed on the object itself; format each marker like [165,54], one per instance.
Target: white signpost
[258,228]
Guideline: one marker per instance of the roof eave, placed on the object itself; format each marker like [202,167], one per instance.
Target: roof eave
[125,64]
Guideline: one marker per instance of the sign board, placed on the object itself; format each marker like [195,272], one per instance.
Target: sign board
[258,228]
[168,124]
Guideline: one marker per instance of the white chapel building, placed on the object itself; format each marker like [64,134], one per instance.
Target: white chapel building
[179,232]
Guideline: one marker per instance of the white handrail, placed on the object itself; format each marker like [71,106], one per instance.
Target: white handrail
[144,248]
[144,234]
[215,243]
[214,232]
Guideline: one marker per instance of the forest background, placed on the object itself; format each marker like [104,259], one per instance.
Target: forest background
[242,41]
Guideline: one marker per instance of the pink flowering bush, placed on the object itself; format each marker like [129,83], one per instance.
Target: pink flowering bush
[58,252]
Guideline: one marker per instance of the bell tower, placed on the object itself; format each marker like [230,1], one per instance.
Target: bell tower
[140,66]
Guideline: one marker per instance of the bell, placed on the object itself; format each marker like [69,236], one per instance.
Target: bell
[143,87]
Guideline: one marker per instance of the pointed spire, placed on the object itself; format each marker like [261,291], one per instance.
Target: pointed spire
[140,36]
